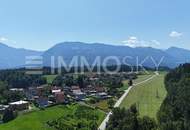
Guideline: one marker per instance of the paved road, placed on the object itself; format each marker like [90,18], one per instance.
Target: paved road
[103,124]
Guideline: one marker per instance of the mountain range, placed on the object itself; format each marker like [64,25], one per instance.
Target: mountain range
[13,57]
[147,56]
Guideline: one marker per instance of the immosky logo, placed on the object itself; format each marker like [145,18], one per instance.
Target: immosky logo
[34,64]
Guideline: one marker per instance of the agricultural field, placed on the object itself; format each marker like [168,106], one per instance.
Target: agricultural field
[147,96]
[38,120]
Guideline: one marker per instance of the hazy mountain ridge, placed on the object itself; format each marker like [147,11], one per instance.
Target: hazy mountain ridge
[183,55]
[12,57]
[90,51]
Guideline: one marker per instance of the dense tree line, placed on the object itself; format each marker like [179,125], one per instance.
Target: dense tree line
[17,78]
[174,113]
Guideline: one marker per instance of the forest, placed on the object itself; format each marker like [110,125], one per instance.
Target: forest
[174,113]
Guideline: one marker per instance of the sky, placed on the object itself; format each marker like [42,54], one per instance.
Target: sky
[40,24]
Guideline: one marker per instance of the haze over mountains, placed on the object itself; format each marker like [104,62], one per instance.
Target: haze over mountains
[12,57]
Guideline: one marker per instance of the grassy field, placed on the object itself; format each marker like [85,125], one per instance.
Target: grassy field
[139,79]
[147,96]
[142,78]
[37,120]
[50,78]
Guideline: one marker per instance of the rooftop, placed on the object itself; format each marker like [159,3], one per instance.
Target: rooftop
[18,102]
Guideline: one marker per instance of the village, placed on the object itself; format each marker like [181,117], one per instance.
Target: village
[88,88]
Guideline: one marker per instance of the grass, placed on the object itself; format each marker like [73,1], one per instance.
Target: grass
[50,78]
[140,78]
[103,105]
[147,96]
[125,86]
[37,120]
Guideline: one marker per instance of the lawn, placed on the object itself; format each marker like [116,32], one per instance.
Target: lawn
[38,120]
[50,78]
[147,96]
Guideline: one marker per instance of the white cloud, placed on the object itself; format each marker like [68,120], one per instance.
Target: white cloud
[155,42]
[135,42]
[175,34]
[131,41]
[3,39]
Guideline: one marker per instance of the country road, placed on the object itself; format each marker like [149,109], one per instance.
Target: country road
[117,104]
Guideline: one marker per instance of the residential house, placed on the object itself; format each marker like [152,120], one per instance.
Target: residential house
[55,89]
[78,94]
[40,90]
[42,101]
[99,89]
[59,97]
[19,105]
[89,90]
[103,95]
[75,88]
[34,93]
[31,93]
[17,89]
[67,89]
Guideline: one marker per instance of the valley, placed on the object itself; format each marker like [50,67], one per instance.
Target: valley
[148,93]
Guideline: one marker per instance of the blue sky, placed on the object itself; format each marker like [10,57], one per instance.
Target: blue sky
[40,24]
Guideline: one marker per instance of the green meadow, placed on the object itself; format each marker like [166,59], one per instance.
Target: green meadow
[37,120]
[147,96]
